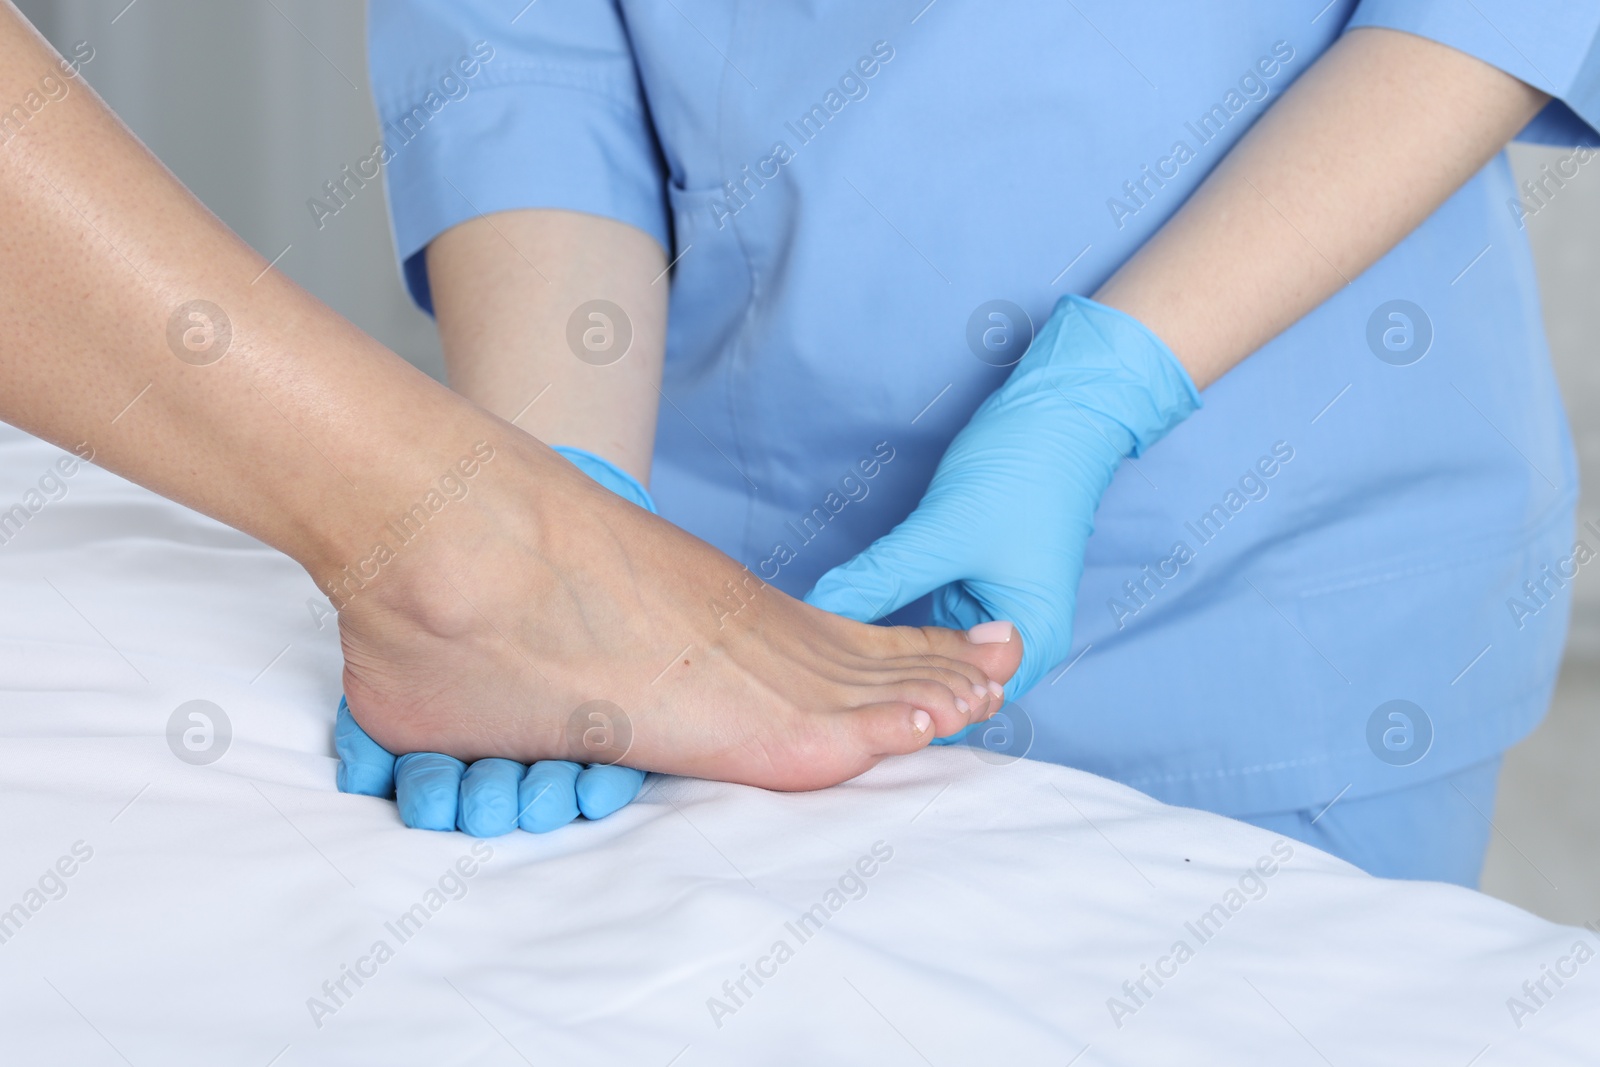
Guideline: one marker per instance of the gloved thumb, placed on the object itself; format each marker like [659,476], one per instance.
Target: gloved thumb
[365,767]
[906,563]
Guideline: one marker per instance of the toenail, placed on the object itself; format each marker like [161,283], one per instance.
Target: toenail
[981,692]
[990,633]
[963,706]
[996,689]
[920,721]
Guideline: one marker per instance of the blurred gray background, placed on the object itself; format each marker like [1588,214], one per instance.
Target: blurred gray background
[255,105]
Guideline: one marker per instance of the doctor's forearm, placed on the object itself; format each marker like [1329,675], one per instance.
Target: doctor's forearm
[1378,133]
[511,292]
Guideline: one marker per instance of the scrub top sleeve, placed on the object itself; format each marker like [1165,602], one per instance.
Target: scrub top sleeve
[1553,45]
[481,114]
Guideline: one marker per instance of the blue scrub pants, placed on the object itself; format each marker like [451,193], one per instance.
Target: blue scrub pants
[1437,831]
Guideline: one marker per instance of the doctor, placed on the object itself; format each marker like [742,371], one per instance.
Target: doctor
[1322,604]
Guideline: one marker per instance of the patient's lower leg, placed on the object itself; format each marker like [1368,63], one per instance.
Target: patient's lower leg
[138,327]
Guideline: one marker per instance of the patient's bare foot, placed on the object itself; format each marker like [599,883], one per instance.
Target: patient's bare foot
[541,601]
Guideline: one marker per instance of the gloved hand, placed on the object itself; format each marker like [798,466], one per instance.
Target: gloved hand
[492,796]
[1000,533]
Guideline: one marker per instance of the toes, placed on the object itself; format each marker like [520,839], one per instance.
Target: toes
[923,652]
[973,694]
[938,700]
[889,729]
[995,648]
[426,787]
[489,798]
[548,796]
[605,788]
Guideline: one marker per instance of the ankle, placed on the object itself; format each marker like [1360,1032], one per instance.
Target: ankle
[422,496]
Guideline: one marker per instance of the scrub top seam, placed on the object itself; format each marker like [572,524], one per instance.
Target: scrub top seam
[738,366]
[603,86]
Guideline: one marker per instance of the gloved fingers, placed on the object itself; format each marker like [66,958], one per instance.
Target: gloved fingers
[605,788]
[888,574]
[427,786]
[365,767]
[959,736]
[489,797]
[548,796]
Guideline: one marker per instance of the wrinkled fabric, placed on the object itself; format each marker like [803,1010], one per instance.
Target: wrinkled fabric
[981,912]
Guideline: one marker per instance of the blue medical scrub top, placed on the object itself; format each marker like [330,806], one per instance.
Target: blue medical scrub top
[1377,506]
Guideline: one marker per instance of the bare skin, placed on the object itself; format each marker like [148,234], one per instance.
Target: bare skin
[1376,134]
[699,630]
[523,598]
[504,288]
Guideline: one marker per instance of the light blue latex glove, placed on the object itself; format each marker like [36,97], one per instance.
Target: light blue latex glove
[492,796]
[1001,531]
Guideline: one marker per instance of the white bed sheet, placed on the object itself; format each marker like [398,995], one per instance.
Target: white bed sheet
[1006,907]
